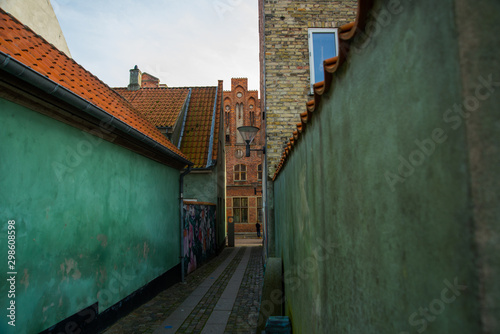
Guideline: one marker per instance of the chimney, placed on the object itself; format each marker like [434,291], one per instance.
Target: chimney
[135,79]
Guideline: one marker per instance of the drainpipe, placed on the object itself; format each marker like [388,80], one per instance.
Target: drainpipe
[181,205]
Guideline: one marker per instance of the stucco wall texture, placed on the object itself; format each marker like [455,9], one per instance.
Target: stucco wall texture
[387,209]
[94,221]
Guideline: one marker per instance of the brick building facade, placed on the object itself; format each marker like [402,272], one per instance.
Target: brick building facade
[284,58]
[243,175]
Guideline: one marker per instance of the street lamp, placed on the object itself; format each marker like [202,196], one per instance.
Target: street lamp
[248,133]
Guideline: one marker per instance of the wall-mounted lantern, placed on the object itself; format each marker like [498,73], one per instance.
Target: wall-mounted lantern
[248,133]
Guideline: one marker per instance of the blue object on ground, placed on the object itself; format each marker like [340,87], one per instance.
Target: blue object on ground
[278,324]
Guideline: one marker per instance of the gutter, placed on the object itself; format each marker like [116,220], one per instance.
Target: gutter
[212,131]
[186,107]
[181,225]
[25,73]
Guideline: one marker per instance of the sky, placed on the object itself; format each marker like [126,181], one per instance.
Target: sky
[181,42]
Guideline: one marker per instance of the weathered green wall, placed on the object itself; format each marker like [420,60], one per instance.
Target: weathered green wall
[363,253]
[201,186]
[479,26]
[210,187]
[96,231]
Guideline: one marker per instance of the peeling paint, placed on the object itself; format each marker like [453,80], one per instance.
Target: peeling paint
[103,239]
[25,280]
[146,250]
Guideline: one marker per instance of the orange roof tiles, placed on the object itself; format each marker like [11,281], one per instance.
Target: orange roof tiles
[160,105]
[197,130]
[347,33]
[22,44]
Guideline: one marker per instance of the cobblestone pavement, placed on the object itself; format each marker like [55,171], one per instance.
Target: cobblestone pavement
[150,316]
[245,313]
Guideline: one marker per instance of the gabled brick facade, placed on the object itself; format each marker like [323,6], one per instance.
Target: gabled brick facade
[242,108]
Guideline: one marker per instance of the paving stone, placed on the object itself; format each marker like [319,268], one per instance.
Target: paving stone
[244,314]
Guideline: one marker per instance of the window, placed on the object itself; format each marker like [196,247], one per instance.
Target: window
[239,122]
[259,172]
[259,209]
[322,45]
[228,121]
[240,172]
[252,118]
[240,209]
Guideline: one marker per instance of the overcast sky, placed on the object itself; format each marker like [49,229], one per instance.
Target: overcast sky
[182,42]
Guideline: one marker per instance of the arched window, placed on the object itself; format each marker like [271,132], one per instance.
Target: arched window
[240,172]
[239,122]
[252,118]
[259,172]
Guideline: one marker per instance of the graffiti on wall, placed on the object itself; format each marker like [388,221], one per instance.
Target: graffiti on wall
[199,234]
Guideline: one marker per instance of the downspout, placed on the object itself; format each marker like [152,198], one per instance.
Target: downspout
[212,131]
[25,73]
[185,116]
[181,225]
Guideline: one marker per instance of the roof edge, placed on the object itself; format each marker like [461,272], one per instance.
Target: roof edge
[32,77]
[212,130]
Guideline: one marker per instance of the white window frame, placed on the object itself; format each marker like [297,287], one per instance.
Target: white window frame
[310,33]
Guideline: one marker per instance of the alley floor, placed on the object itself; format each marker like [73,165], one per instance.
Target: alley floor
[220,297]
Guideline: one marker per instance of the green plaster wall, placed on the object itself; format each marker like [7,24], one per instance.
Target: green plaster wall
[478,24]
[96,230]
[365,254]
[210,187]
[201,186]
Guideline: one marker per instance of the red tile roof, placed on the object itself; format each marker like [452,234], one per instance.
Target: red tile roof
[161,105]
[21,43]
[197,131]
[346,34]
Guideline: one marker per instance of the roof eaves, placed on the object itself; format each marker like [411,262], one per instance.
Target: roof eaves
[29,75]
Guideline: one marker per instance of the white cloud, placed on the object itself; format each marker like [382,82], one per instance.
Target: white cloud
[184,43]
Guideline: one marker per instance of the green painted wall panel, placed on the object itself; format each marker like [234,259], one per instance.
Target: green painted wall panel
[201,186]
[94,221]
[361,255]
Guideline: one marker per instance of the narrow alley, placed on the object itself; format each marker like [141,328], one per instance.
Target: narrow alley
[220,297]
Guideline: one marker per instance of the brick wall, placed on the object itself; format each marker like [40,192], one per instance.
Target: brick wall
[285,61]
[235,151]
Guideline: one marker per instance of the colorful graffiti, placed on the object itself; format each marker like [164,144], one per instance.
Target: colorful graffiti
[199,234]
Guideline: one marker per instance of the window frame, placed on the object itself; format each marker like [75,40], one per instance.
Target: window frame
[239,173]
[259,172]
[238,218]
[312,65]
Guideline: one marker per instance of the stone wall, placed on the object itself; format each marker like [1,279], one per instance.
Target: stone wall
[285,61]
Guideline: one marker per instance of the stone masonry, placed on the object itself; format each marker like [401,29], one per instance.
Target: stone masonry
[284,58]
